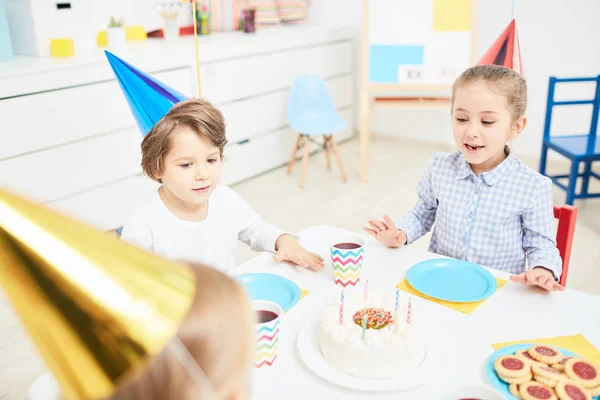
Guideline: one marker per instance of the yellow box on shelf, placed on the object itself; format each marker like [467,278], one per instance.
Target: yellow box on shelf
[102,39]
[62,47]
[135,33]
[131,33]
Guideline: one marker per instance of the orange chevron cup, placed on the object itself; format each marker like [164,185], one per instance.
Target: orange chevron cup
[268,317]
[347,260]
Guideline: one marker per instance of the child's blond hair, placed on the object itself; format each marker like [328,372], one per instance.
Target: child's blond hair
[198,115]
[501,79]
[217,333]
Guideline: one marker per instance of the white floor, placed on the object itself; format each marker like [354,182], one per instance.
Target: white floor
[396,165]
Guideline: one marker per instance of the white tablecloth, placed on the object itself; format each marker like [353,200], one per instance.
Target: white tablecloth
[460,344]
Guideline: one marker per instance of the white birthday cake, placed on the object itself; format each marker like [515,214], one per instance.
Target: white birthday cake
[373,340]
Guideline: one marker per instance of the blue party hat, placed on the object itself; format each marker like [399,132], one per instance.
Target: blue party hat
[148,98]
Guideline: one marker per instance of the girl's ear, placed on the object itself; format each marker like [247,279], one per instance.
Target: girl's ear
[518,127]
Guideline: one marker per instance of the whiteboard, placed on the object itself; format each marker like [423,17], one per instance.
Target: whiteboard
[419,42]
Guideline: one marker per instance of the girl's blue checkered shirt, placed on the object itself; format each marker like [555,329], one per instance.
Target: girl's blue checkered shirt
[501,219]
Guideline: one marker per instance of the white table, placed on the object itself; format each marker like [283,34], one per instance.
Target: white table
[460,343]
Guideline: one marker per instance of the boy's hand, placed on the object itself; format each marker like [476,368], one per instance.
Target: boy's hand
[288,249]
[538,276]
[386,232]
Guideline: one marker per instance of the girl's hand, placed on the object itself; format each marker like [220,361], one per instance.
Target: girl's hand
[386,232]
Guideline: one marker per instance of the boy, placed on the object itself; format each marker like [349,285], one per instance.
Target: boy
[190,218]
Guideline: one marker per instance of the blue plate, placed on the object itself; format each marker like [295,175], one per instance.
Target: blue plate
[502,386]
[452,280]
[271,287]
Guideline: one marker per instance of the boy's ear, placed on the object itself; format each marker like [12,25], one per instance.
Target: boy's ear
[518,127]
[157,176]
[157,173]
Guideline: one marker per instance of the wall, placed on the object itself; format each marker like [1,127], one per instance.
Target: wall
[556,37]
[137,12]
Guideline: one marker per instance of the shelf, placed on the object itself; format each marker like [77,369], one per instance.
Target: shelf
[412,102]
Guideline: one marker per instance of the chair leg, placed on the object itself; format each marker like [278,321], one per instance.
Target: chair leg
[586,177]
[543,159]
[572,185]
[339,159]
[305,160]
[293,159]
[326,146]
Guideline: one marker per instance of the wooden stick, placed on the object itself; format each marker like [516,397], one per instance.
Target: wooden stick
[474,31]
[339,159]
[364,97]
[305,160]
[326,139]
[196,45]
[294,153]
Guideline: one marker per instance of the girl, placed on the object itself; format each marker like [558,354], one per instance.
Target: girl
[487,206]
[211,358]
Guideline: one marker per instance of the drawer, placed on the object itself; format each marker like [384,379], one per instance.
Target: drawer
[38,121]
[241,78]
[108,207]
[258,155]
[66,170]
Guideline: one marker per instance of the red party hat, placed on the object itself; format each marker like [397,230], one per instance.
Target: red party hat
[505,50]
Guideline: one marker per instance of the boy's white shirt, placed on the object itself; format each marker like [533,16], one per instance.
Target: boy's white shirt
[153,227]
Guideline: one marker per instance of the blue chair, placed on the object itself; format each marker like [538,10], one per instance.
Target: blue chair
[578,148]
[311,113]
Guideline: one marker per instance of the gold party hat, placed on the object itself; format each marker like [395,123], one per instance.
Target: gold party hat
[96,308]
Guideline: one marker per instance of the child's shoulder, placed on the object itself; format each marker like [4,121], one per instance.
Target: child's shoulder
[528,175]
[443,157]
[225,199]
[147,206]
[224,193]
[443,161]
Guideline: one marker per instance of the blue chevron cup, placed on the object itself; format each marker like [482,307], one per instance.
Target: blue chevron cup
[347,255]
[267,332]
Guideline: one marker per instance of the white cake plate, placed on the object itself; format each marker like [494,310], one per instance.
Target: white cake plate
[308,347]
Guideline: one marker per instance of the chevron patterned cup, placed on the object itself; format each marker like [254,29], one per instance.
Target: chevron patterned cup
[268,315]
[347,260]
